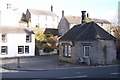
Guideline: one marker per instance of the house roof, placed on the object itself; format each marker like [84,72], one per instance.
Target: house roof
[15,30]
[101,21]
[41,12]
[86,32]
[51,31]
[75,19]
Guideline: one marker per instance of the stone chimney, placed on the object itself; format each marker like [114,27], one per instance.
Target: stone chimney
[62,13]
[51,8]
[83,17]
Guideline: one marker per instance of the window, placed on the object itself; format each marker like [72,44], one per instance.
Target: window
[86,51]
[4,50]
[67,50]
[4,37]
[26,49]
[37,25]
[20,49]
[28,38]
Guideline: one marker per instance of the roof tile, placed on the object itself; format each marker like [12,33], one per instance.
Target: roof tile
[86,32]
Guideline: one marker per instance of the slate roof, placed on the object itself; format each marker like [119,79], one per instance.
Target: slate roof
[86,32]
[51,31]
[75,19]
[15,30]
[41,12]
[101,21]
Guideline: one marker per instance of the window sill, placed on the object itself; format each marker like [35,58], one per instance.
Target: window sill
[28,41]
[3,53]
[20,53]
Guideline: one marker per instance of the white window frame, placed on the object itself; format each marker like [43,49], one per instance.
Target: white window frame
[28,38]
[85,51]
[22,47]
[27,51]
[67,50]
[6,50]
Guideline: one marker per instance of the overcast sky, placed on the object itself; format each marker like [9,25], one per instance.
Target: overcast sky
[105,9]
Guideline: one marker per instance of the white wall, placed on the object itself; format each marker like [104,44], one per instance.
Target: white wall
[43,22]
[13,41]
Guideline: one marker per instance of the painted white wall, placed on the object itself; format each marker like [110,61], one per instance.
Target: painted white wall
[50,22]
[13,41]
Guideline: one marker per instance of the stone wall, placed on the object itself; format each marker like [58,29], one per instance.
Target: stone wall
[41,52]
[63,26]
[108,56]
[97,53]
[71,59]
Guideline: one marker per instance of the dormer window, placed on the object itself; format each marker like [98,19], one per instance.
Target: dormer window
[4,37]
[28,38]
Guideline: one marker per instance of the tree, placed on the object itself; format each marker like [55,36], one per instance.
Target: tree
[52,40]
[117,35]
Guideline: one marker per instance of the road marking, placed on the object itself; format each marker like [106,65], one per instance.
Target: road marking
[83,76]
[114,73]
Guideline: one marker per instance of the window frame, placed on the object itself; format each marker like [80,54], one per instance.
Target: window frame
[6,50]
[27,47]
[4,37]
[67,50]
[22,52]
[86,55]
[28,38]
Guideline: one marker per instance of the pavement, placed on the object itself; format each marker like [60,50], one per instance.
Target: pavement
[38,63]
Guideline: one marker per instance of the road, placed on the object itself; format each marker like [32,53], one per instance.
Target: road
[95,72]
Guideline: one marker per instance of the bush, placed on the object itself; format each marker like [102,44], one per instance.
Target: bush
[42,42]
[48,49]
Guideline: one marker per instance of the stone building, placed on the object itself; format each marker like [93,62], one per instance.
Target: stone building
[67,22]
[87,42]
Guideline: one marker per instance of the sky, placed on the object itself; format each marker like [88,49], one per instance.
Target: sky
[104,9]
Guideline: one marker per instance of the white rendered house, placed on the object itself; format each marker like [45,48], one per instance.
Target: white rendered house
[39,19]
[16,42]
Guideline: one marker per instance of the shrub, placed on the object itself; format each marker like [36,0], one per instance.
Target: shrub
[42,42]
[48,49]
